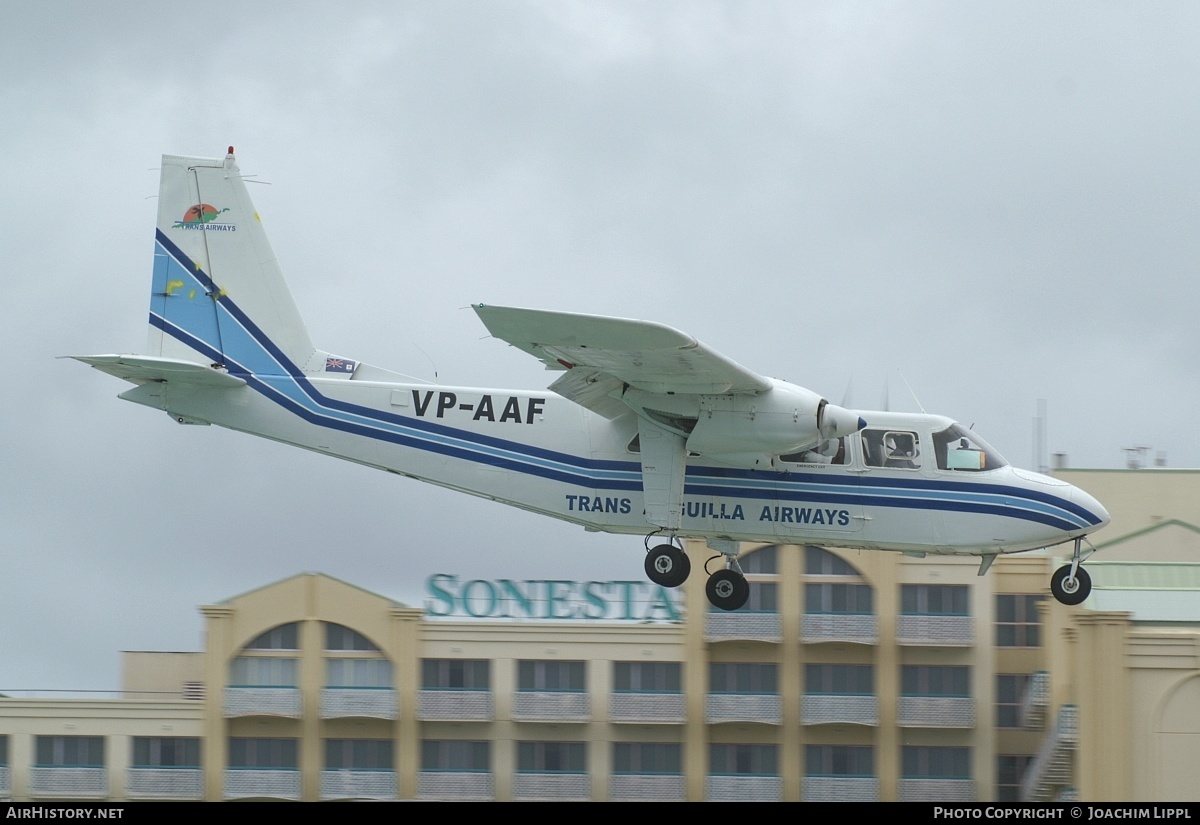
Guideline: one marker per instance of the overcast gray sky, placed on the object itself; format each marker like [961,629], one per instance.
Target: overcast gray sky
[998,200]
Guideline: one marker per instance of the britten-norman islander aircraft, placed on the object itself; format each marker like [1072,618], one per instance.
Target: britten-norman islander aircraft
[646,430]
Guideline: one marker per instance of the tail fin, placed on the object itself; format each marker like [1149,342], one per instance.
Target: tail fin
[218,295]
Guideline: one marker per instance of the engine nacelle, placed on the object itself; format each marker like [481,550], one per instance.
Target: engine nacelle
[787,419]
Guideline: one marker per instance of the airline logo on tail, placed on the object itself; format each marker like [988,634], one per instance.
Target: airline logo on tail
[201,216]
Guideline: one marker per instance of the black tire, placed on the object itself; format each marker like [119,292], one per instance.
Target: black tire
[1070,592]
[667,565]
[727,589]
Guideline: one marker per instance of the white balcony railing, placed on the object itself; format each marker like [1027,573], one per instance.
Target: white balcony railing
[744,788]
[841,789]
[936,712]
[936,631]
[854,628]
[551,706]
[662,708]
[68,782]
[361,703]
[655,787]
[262,701]
[828,709]
[166,783]
[262,783]
[351,784]
[937,790]
[758,627]
[455,706]
[454,786]
[766,708]
[530,787]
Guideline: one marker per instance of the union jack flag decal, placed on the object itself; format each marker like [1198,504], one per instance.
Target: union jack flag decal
[339,365]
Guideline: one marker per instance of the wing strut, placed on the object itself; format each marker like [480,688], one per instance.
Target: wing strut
[664,460]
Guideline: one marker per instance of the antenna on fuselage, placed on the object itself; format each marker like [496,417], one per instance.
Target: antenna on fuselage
[910,389]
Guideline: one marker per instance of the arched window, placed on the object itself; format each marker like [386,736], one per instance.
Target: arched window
[838,587]
[820,562]
[762,560]
[340,637]
[282,637]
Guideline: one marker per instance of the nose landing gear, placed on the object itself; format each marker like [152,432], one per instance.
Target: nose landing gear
[1070,583]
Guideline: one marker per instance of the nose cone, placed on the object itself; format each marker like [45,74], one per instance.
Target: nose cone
[1098,514]
[838,421]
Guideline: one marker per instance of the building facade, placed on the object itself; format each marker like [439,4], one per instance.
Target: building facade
[848,676]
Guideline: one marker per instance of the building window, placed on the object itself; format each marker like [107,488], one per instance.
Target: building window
[742,677]
[935,680]
[843,680]
[763,560]
[263,754]
[358,755]
[69,751]
[647,757]
[1009,772]
[358,673]
[1010,690]
[820,562]
[743,760]
[455,674]
[839,760]
[1017,622]
[837,598]
[933,600]
[550,676]
[647,677]
[284,637]
[166,752]
[262,671]
[551,757]
[455,756]
[936,762]
[340,637]
[3,750]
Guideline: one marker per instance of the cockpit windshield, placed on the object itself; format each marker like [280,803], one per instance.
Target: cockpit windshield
[959,449]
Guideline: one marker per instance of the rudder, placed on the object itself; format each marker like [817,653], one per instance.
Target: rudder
[218,295]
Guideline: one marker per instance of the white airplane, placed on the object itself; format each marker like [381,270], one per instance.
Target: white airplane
[646,430]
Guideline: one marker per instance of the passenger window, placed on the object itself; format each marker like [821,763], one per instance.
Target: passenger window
[895,449]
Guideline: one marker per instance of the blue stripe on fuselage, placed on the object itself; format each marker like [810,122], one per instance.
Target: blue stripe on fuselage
[250,354]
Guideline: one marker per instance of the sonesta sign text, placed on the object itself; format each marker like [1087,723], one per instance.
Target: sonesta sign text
[625,601]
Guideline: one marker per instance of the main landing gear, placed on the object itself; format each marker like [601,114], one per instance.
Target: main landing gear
[1070,583]
[669,566]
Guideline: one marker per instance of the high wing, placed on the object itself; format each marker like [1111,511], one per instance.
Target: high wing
[689,399]
[601,354]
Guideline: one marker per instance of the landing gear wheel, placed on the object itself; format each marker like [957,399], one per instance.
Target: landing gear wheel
[667,565]
[727,589]
[1068,590]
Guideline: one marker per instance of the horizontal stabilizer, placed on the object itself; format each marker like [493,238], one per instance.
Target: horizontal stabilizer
[142,369]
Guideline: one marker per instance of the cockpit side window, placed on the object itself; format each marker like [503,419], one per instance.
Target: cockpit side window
[895,449]
[961,450]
